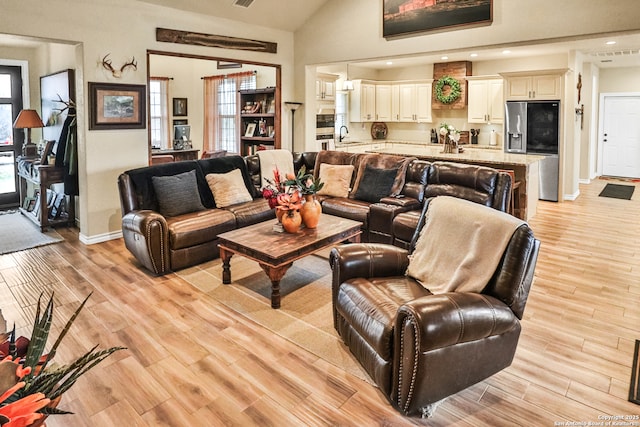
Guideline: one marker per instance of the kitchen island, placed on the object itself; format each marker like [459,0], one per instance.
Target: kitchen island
[525,167]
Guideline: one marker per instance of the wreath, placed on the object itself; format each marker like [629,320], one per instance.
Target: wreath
[454,89]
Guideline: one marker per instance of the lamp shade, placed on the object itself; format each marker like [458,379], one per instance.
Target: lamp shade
[28,119]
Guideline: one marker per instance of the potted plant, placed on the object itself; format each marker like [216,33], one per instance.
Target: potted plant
[29,381]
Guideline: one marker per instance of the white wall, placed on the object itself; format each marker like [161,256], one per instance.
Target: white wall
[125,28]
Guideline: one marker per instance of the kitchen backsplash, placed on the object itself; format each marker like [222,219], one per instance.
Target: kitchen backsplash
[421,132]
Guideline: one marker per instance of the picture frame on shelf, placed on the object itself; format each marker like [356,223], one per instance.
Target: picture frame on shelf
[402,20]
[46,151]
[117,106]
[251,129]
[180,107]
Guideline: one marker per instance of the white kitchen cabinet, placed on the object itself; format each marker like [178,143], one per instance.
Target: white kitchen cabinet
[384,96]
[486,100]
[362,101]
[535,87]
[326,87]
[414,102]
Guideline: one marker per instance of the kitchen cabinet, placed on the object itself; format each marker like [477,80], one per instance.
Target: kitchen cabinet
[534,87]
[362,101]
[326,87]
[384,97]
[414,102]
[486,100]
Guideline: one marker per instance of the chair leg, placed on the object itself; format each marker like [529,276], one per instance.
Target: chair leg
[429,410]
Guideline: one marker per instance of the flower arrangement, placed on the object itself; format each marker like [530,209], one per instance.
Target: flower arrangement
[305,182]
[281,194]
[28,385]
[451,137]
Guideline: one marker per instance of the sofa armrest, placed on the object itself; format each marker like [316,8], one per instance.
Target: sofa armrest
[146,235]
[381,214]
[364,260]
[407,203]
[452,318]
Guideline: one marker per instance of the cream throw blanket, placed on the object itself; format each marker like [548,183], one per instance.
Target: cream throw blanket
[275,159]
[460,245]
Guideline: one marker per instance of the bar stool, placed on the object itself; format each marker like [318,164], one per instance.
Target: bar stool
[514,204]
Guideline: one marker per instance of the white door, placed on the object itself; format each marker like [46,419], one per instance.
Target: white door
[621,136]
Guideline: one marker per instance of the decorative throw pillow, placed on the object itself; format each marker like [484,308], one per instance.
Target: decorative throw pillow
[228,188]
[375,184]
[336,178]
[177,194]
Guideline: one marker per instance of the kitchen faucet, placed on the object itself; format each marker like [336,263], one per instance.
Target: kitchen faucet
[340,138]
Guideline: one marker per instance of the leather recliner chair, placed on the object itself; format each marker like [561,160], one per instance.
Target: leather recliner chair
[420,347]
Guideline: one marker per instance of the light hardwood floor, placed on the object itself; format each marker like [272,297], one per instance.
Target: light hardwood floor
[191,361]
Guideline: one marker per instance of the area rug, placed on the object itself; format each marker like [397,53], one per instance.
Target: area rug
[305,317]
[617,191]
[18,233]
[634,390]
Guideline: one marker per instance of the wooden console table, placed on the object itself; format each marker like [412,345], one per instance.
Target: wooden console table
[47,175]
[178,155]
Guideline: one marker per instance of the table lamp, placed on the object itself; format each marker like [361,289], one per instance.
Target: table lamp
[28,119]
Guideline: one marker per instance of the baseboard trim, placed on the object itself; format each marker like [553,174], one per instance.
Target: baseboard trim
[572,197]
[100,238]
[584,181]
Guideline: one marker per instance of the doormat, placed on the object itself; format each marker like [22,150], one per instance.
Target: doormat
[634,390]
[19,233]
[617,191]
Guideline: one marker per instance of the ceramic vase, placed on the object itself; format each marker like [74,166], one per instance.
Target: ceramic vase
[291,221]
[311,211]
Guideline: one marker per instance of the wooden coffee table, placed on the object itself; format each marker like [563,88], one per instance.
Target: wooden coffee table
[276,252]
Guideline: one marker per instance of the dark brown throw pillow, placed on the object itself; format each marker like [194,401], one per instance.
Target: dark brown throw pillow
[177,194]
[375,184]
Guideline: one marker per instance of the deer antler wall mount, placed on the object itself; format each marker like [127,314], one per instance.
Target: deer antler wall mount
[117,73]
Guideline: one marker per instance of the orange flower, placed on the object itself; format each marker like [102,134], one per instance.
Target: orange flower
[22,413]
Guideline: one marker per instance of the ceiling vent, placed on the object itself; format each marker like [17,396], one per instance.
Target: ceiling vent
[242,3]
[616,53]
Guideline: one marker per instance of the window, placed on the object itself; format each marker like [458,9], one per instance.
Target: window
[221,118]
[159,112]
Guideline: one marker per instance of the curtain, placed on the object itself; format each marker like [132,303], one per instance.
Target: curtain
[221,118]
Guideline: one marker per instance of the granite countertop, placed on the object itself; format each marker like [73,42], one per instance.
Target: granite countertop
[410,143]
[470,155]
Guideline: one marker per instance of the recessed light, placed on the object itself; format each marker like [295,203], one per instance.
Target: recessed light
[444,57]
[389,62]
[610,42]
[506,52]
[473,55]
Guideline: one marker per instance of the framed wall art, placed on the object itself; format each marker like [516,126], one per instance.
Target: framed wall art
[406,17]
[57,94]
[179,107]
[117,106]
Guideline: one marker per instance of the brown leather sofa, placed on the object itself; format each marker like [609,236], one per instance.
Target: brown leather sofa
[418,347]
[395,220]
[163,244]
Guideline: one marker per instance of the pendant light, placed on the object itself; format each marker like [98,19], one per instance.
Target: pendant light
[347,84]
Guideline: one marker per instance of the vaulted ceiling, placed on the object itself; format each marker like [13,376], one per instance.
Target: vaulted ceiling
[287,15]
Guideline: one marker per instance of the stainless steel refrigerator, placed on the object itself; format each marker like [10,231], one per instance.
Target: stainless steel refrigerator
[533,127]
